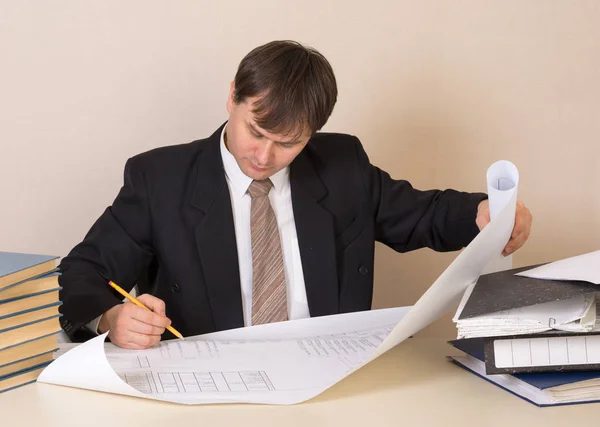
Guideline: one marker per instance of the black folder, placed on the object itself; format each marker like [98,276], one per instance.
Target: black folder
[483,349]
[503,291]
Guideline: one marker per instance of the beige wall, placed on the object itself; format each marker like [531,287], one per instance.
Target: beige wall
[436,90]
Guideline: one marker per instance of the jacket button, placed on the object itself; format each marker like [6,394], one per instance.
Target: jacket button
[363,270]
[175,288]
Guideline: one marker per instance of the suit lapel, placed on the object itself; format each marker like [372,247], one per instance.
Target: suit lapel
[314,226]
[216,242]
[215,237]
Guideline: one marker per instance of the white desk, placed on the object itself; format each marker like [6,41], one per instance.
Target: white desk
[412,385]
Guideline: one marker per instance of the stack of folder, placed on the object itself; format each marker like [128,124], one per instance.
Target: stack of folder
[29,316]
[542,388]
[535,331]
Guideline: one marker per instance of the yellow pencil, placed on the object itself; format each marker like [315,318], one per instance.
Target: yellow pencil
[139,304]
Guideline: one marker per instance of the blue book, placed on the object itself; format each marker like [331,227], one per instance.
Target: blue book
[20,335]
[27,363]
[41,285]
[541,389]
[14,311]
[21,378]
[25,351]
[17,267]
[29,317]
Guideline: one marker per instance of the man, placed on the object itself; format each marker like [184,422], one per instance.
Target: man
[266,220]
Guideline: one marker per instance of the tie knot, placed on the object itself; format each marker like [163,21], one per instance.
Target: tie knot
[260,188]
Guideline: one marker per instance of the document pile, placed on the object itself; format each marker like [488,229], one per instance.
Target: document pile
[28,317]
[540,324]
[495,308]
[541,389]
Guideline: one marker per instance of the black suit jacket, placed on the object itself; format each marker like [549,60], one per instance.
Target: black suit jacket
[170,230]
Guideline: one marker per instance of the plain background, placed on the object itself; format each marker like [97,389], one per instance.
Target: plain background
[436,91]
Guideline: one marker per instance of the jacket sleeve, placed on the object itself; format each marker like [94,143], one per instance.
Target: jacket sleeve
[407,219]
[118,247]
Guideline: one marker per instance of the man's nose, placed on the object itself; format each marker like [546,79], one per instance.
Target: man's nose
[263,153]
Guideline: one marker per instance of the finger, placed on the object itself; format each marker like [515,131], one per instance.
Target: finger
[509,248]
[523,221]
[147,316]
[519,226]
[515,243]
[123,338]
[142,328]
[155,304]
[519,241]
[143,341]
[133,346]
[128,345]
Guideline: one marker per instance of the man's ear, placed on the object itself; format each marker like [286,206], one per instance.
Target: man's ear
[230,97]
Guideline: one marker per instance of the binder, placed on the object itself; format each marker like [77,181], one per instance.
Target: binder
[564,352]
[504,291]
[541,389]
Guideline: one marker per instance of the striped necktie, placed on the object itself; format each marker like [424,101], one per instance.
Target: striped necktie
[269,302]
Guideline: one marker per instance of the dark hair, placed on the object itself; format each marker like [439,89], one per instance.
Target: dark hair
[295,86]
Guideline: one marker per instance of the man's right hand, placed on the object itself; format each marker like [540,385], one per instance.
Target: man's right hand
[135,327]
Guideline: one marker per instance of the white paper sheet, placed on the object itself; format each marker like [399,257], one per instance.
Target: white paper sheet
[584,267]
[280,363]
[502,182]
[448,289]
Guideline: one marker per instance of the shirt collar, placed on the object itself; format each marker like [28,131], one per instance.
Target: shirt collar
[239,181]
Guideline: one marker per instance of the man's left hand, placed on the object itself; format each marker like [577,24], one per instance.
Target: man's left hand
[521,230]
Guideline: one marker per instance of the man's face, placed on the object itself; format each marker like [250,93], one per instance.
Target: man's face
[258,153]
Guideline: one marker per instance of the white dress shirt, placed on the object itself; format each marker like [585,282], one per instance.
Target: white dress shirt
[281,201]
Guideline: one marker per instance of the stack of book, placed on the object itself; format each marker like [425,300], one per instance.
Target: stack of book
[535,331]
[28,316]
